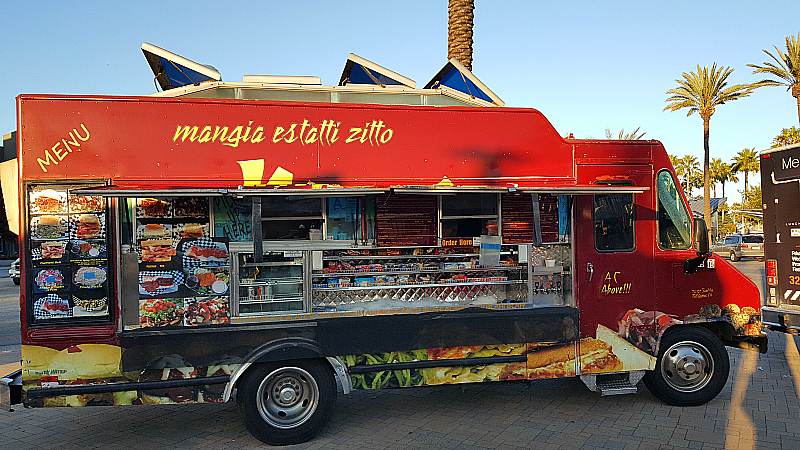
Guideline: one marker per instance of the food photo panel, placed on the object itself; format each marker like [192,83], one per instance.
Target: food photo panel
[207,280]
[190,207]
[204,252]
[153,207]
[89,277]
[158,254]
[161,312]
[52,306]
[151,231]
[90,303]
[48,253]
[160,283]
[207,311]
[49,227]
[45,201]
[88,226]
[51,279]
[80,249]
[189,230]
[86,203]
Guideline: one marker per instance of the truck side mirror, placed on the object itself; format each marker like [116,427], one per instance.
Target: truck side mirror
[701,236]
[692,265]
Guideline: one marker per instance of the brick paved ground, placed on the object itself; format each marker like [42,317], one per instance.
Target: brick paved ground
[758,408]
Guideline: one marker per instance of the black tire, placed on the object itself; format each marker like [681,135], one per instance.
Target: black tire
[287,402]
[692,367]
[734,258]
[16,280]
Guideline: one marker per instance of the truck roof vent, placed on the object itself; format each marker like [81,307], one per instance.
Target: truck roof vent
[358,70]
[173,71]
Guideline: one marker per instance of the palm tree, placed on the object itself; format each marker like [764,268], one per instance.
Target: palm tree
[694,177]
[788,136]
[722,173]
[746,161]
[459,31]
[686,168]
[632,136]
[786,67]
[702,92]
[717,168]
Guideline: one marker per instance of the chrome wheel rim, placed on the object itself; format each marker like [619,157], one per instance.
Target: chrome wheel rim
[687,366]
[287,397]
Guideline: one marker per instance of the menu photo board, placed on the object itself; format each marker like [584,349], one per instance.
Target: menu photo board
[67,254]
[184,274]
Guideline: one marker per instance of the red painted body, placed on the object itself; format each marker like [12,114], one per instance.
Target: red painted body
[137,141]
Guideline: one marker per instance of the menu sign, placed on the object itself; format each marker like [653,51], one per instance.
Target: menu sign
[184,273]
[517,213]
[68,254]
[786,164]
[406,220]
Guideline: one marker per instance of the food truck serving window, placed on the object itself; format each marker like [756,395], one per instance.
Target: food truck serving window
[674,221]
[467,215]
[290,217]
[614,218]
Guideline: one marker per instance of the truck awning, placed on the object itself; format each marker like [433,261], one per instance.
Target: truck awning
[178,191]
[592,189]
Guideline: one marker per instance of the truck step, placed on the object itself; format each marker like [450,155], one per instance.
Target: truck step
[613,383]
[615,387]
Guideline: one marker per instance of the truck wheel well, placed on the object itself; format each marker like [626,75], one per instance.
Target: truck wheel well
[287,349]
[722,329]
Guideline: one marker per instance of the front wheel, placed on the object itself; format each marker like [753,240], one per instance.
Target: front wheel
[692,367]
[734,258]
[287,402]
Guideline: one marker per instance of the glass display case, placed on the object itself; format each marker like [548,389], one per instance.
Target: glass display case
[427,277]
[273,285]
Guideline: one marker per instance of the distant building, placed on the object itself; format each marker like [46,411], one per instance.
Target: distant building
[696,204]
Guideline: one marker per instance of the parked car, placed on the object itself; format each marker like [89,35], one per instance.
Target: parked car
[738,246]
[13,271]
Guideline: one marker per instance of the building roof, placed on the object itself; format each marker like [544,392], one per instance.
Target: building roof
[696,205]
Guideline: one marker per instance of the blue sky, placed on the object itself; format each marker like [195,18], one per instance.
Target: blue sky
[587,66]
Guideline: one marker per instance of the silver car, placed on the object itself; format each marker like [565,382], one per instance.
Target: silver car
[738,246]
[13,271]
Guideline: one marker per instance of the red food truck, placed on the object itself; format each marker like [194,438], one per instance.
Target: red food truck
[278,252]
[780,172]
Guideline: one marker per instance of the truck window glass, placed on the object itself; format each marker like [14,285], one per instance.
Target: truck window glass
[467,215]
[350,218]
[613,222]
[290,217]
[674,222]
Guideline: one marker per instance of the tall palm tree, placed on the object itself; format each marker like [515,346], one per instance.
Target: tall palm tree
[722,173]
[786,68]
[459,31]
[717,168]
[746,161]
[623,136]
[694,176]
[701,93]
[788,136]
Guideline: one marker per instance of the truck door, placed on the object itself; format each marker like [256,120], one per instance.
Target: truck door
[613,247]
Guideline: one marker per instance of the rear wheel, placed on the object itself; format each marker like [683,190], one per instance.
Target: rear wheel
[734,258]
[692,367]
[287,402]
[16,280]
